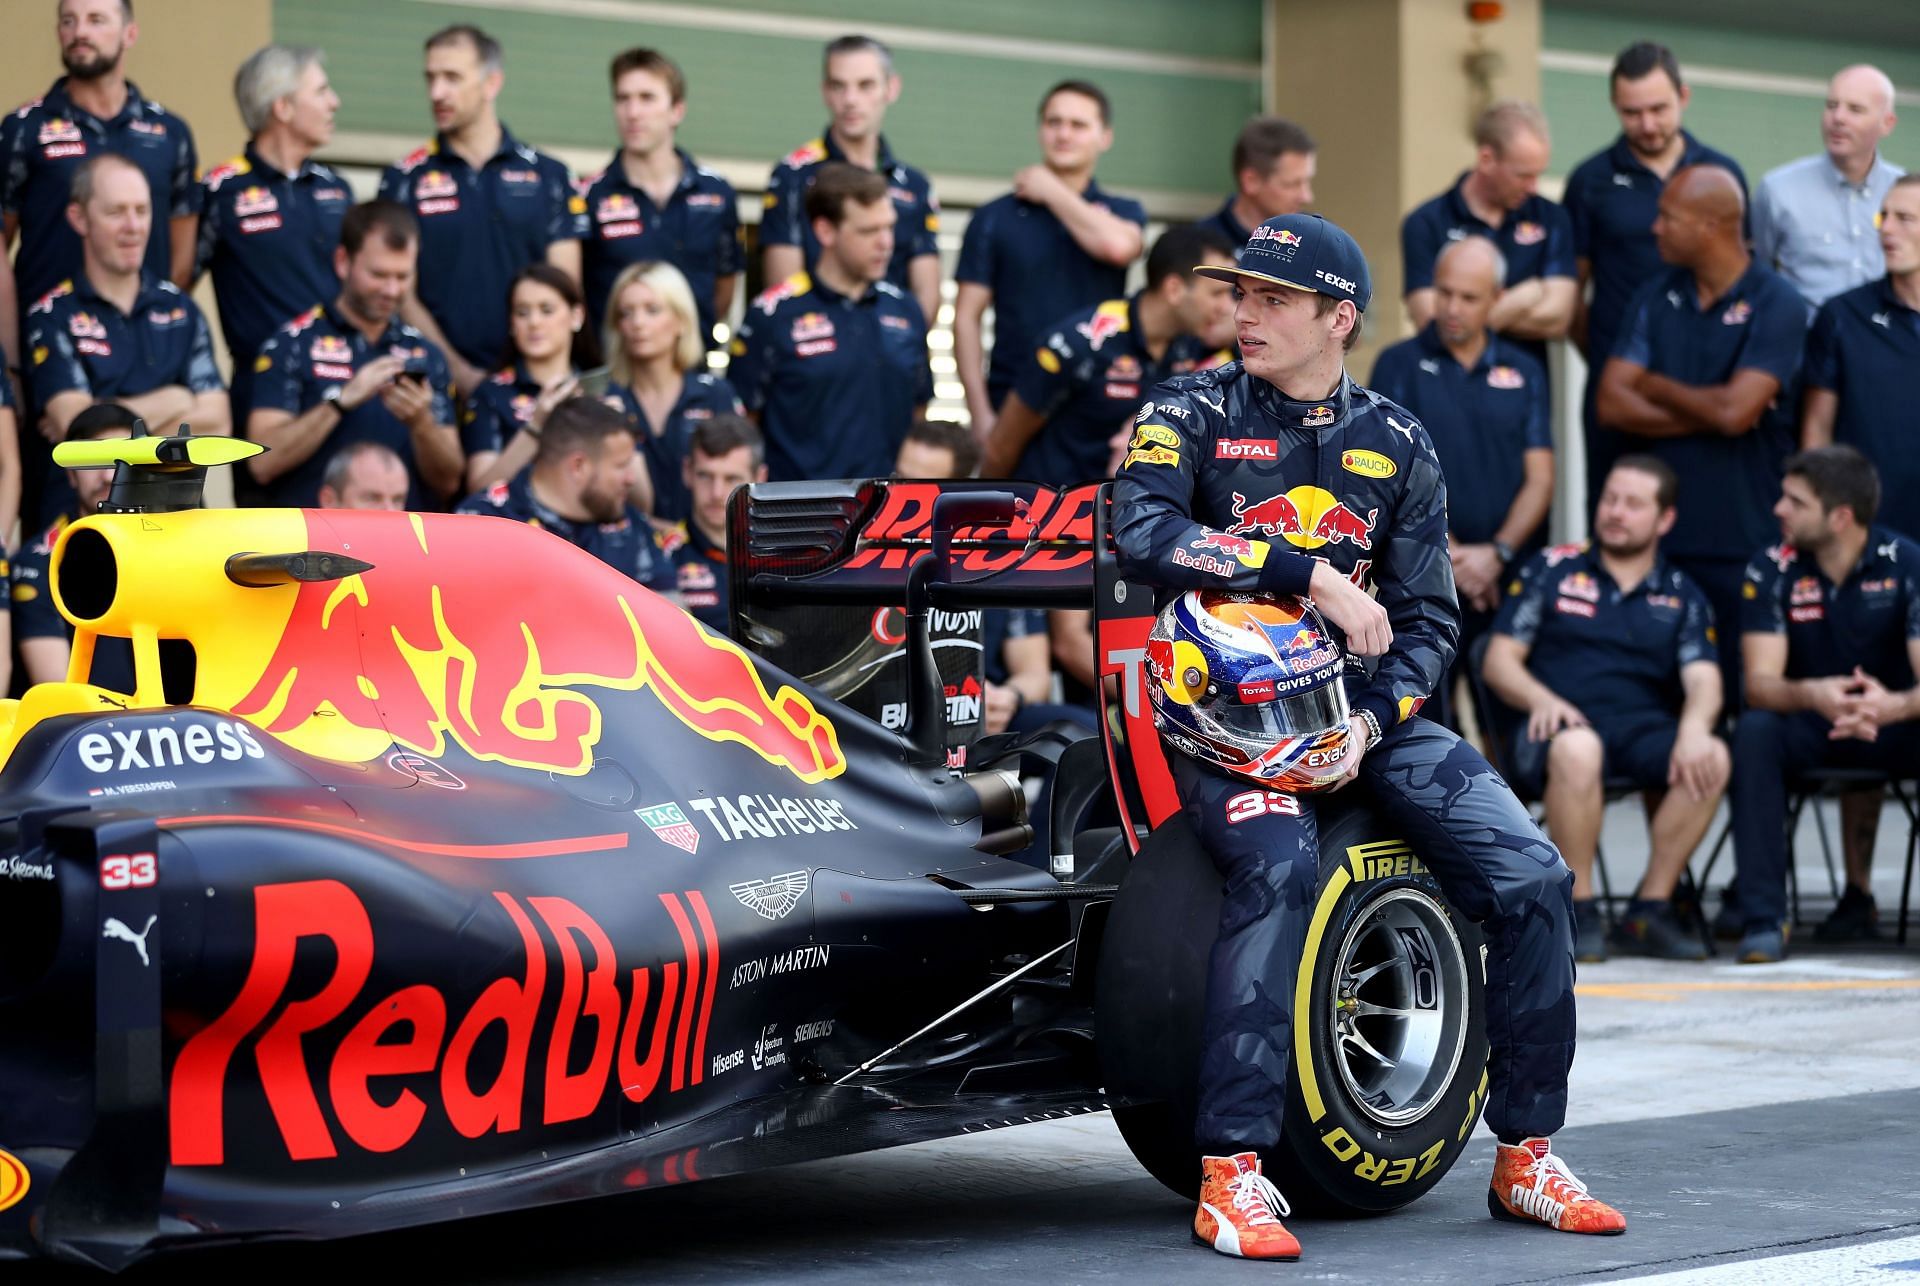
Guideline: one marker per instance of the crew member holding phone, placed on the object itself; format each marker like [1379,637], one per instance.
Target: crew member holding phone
[352,371]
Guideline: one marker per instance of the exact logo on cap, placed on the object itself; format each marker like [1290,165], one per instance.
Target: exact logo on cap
[1306,252]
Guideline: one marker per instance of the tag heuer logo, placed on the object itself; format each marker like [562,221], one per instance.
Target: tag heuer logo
[772,898]
[671,825]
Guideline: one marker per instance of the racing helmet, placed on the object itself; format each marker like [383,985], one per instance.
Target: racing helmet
[1250,683]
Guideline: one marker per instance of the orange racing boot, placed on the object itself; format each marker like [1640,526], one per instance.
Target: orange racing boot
[1237,1210]
[1532,1185]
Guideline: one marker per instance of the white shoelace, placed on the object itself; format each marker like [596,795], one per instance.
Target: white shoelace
[1255,1195]
[1551,1167]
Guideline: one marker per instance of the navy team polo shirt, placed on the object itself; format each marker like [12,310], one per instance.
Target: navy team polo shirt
[1865,347]
[785,221]
[1482,421]
[1537,240]
[1866,620]
[1614,655]
[834,380]
[698,232]
[1611,199]
[268,238]
[1728,486]
[480,227]
[1087,380]
[1037,272]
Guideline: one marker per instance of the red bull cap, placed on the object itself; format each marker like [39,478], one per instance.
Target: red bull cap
[1306,252]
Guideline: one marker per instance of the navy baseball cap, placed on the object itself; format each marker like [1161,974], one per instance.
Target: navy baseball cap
[1306,252]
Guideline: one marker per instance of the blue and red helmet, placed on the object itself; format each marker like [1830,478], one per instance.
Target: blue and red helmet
[1250,683]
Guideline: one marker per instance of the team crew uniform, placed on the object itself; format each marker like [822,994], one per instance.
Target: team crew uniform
[1866,621]
[1037,272]
[501,405]
[1086,379]
[1616,655]
[785,222]
[835,381]
[320,350]
[1220,497]
[702,396]
[1611,199]
[478,228]
[1865,347]
[698,232]
[1728,486]
[627,545]
[1223,222]
[700,575]
[1482,420]
[1537,240]
[268,239]
[80,341]
[43,142]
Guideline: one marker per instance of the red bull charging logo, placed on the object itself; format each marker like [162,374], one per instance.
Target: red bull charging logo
[494,635]
[1305,517]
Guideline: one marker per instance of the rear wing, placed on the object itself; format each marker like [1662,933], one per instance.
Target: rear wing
[854,543]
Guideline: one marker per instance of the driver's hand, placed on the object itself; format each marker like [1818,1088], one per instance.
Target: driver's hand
[1357,747]
[1352,609]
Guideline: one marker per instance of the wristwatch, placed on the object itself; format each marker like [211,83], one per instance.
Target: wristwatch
[334,397]
[1505,551]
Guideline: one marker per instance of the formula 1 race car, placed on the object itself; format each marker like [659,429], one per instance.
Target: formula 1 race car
[433,868]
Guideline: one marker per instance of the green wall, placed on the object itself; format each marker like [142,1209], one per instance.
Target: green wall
[1757,128]
[758,95]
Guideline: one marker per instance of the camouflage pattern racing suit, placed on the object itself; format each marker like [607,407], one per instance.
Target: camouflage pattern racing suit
[1228,484]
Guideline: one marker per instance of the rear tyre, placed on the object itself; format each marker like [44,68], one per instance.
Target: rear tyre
[1389,1046]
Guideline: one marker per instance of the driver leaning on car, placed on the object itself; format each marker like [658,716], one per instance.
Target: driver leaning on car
[1279,475]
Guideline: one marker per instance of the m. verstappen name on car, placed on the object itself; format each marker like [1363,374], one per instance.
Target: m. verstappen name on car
[643,1037]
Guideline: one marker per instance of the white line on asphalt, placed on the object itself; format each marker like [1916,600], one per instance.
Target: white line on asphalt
[1874,1263]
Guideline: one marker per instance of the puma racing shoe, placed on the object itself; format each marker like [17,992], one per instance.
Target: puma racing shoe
[1240,1210]
[1532,1185]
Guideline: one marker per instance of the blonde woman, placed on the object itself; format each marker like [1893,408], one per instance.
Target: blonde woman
[656,363]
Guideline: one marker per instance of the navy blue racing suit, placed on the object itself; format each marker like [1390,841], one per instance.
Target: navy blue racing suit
[1229,484]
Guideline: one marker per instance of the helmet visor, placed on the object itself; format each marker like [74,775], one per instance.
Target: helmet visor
[1256,728]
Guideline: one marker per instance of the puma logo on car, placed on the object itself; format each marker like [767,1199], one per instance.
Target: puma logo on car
[118,931]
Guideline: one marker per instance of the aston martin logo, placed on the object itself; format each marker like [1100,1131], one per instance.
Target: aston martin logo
[772,898]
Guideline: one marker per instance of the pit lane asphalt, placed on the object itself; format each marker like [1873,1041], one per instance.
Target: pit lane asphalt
[1733,1112]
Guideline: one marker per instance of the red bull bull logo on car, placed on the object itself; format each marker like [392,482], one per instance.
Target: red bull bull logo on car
[1305,517]
[507,674]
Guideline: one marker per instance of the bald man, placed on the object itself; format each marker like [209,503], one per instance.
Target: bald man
[1704,372]
[1483,400]
[1813,219]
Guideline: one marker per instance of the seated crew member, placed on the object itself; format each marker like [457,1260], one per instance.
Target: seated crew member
[724,454]
[1259,517]
[1484,403]
[1084,381]
[113,330]
[544,317]
[1600,644]
[832,365]
[1832,638]
[656,369]
[44,638]
[577,489]
[352,371]
[364,476]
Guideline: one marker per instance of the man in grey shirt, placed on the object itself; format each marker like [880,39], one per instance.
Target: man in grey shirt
[1813,219]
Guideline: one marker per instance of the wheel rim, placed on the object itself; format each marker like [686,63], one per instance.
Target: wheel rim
[1399,1012]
